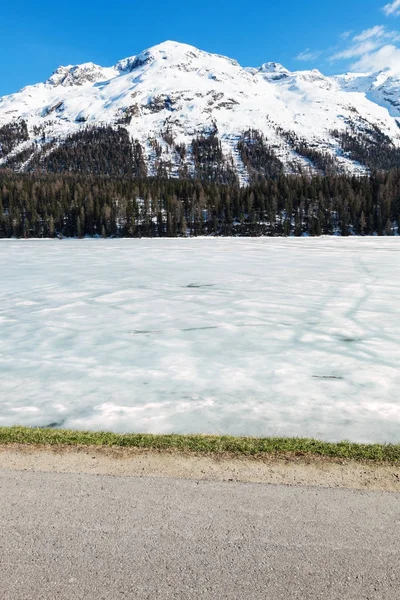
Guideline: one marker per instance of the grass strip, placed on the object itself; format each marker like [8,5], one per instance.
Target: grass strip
[208,444]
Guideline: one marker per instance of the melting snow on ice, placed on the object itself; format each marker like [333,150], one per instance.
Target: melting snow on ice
[282,337]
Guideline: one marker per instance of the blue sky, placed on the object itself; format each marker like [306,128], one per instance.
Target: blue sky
[332,35]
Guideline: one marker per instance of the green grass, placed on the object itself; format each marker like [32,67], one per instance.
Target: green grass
[207,444]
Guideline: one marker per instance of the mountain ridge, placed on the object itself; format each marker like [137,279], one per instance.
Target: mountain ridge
[171,95]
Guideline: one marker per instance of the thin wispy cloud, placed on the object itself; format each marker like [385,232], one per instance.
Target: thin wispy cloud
[374,32]
[355,50]
[308,55]
[392,9]
[346,34]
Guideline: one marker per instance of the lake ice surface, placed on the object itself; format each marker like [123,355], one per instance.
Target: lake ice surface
[261,337]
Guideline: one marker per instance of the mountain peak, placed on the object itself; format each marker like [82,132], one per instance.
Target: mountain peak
[273,71]
[173,53]
[273,67]
[168,50]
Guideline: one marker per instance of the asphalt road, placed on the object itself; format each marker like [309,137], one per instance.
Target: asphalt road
[71,536]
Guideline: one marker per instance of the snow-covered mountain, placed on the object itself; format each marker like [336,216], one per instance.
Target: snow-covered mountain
[173,93]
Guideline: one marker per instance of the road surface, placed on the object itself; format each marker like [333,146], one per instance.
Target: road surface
[80,536]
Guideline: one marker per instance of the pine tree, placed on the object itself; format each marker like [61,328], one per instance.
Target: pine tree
[51,229]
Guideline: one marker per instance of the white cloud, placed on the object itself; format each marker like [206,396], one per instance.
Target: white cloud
[370,50]
[308,54]
[386,57]
[393,8]
[373,49]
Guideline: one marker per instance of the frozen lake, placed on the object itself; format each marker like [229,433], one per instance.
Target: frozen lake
[281,337]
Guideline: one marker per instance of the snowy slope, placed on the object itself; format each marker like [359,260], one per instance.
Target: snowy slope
[382,88]
[177,89]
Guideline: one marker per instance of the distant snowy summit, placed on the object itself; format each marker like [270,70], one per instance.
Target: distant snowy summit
[172,99]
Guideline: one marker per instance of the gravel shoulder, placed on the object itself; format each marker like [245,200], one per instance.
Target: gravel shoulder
[131,462]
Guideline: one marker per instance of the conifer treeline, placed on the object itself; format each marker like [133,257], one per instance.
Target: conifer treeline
[11,135]
[50,204]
